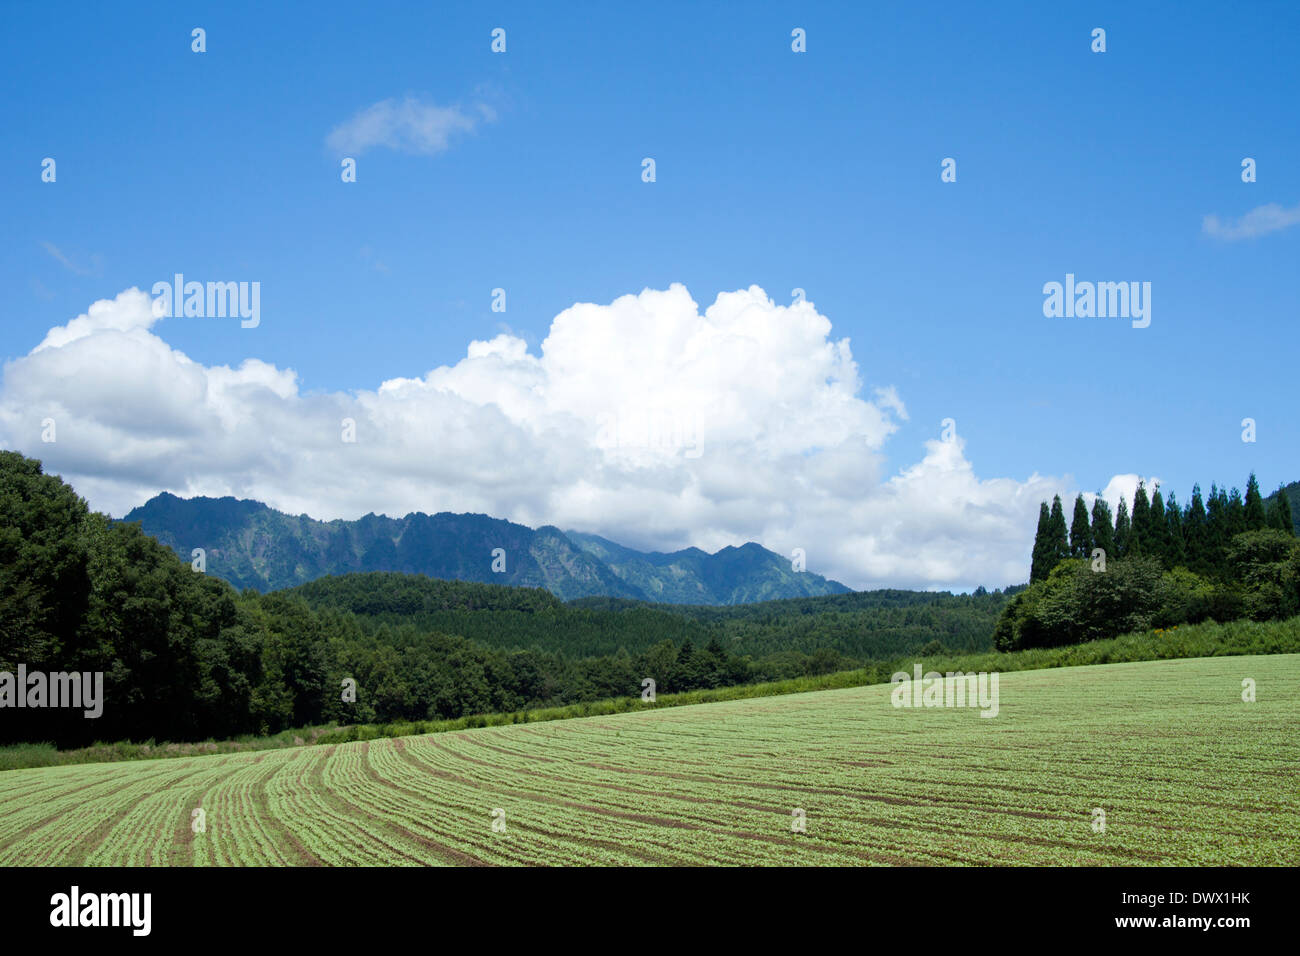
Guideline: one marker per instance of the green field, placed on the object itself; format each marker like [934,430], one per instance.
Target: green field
[1186,772]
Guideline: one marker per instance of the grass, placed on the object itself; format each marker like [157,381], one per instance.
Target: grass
[1209,639]
[1185,771]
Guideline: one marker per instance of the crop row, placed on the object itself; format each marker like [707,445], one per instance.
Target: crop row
[1184,770]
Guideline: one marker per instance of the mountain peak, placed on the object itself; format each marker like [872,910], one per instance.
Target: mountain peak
[252,545]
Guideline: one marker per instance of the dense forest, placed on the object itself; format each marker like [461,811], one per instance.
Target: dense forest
[186,657]
[1159,564]
[858,626]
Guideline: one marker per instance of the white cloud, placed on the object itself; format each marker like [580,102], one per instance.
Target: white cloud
[888,398]
[129,312]
[408,125]
[1258,222]
[647,420]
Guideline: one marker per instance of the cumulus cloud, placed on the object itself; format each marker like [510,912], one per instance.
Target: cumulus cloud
[1260,221]
[409,125]
[648,420]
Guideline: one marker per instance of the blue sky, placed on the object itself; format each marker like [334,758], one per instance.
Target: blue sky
[817,170]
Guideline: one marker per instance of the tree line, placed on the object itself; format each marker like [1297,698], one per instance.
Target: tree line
[1196,536]
[1223,556]
[779,635]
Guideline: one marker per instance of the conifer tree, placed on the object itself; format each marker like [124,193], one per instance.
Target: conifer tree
[1159,528]
[1123,529]
[1215,505]
[1216,523]
[1103,530]
[1256,519]
[1080,532]
[1236,515]
[1139,540]
[1038,567]
[1176,545]
[1196,532]
[1057,535]
[1135,546]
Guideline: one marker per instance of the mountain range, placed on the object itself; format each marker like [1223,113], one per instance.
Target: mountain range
[252,545]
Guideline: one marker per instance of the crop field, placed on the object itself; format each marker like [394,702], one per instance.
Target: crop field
[1185,771]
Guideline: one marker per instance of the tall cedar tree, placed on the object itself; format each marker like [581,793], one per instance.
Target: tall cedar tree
[1196,533]
[1123,529]
[1080,533]
[1176,546]
[1216,523]
[1159,528]
[1256,519]
[1139,541]
[1236,515]
[1103,530]
[1197,537]
[1056,534]
[1038,568]
[1279,513]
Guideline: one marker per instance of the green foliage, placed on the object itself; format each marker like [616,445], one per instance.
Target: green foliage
[1198,546]
[1267,563]
[81,593]
[1280,511]
[1221,560]
[1057,538]
[1175,553]
[1183,597]
[1076,604]
[1123,530]
[1044,556]
[1103,528]
[1158,528]
[780,636]
[1140,535]
[1080,531]
[1255,516]
[1236,515]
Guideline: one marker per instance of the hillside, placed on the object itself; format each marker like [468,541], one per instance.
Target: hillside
[783,637]
[1185,777]
[254,546]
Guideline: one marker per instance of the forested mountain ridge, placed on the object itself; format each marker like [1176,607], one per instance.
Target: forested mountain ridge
[781,636]
[252,545]
[691,576]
